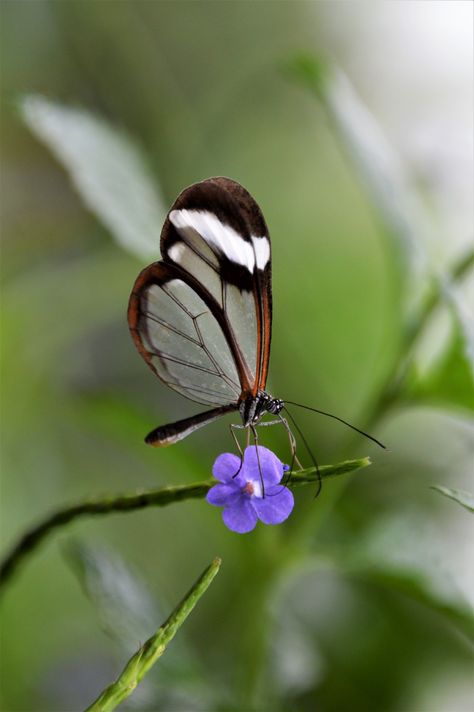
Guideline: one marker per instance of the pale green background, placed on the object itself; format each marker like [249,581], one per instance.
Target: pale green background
[201,87]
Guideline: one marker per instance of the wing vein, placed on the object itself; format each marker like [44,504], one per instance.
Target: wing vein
[165,324]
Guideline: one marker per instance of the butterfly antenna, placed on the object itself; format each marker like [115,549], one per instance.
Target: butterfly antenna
[331,415]
[241,454]
[305,443]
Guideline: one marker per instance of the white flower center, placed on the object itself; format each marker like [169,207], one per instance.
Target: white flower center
[253,488]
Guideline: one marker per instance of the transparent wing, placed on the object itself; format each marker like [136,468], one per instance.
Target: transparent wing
[216,233]
[180,338]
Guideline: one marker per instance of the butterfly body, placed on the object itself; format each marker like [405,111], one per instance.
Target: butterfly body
[253,409]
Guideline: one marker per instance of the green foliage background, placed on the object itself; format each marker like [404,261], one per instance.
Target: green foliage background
[359,601]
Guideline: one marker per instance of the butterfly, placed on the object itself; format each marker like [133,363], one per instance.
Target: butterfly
[202,316]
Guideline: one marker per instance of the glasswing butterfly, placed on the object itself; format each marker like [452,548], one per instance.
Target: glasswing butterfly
[202,316]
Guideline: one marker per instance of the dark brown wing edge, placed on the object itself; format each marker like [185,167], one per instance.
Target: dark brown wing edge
[174,432]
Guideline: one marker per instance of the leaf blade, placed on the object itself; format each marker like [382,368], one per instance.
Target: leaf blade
[381,169]
[106,168]
[462,497]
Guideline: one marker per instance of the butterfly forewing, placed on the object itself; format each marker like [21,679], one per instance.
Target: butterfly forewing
[202,317]
[216,232]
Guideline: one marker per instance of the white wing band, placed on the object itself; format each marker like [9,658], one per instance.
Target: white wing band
[223,238]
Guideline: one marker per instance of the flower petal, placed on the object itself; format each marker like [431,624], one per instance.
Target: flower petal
[225,467]
[270,466]
[276,506]
[241,518]
[224,495]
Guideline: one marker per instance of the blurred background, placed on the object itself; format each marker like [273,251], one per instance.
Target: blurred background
[351,124]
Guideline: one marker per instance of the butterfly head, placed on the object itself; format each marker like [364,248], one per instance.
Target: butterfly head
[275,405]
[253,408]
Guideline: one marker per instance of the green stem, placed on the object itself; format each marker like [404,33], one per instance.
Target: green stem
[396,377]
[138,666]
[151,498]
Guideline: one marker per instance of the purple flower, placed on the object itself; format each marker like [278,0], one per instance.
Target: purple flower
[243,497]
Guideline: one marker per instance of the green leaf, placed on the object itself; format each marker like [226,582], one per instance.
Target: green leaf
[449,379]
[464,322]
[313,72]
[368,587]
[418,586]
[404,551]
[147,655]
[465,499]
[107,169]
[127,612]
[437,360]
[121,599]
[387,183]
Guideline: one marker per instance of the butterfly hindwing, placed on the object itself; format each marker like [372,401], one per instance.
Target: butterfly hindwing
[168,319]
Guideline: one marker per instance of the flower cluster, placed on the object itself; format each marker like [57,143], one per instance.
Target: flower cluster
[254,493]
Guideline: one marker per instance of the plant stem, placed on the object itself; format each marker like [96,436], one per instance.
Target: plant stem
[138,666]
[397,375]
[152,498]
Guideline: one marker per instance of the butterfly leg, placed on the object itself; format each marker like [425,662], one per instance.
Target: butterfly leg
[310,453]
[294,457]
[233,428]
[255,439]
[291,438]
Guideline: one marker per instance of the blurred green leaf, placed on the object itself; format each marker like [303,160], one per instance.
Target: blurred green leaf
[435,362]
[417,585]
[122,600]
[465,324]
[127,612]
[313,72]
[391,192]
[422,581]
[449,381]
[351,614]
[106,168]
[405,552]
[465,499]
